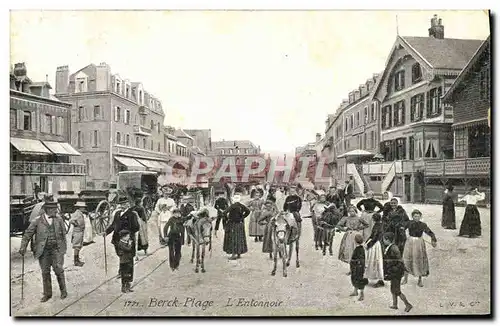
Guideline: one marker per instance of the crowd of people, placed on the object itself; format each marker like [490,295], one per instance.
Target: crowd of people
[380,242]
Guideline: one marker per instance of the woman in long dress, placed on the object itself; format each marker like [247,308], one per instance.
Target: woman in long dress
[142,239]
[415,252]
[471,224]
[254,228]
[317,212]
[163,211]
[374,254]
[367,207]
[448,217]
[395,222]
[88,233]
[235,242]
[351,224]
[269,211]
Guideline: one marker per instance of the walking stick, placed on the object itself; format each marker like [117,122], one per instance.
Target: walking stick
[22,280]
[105,255]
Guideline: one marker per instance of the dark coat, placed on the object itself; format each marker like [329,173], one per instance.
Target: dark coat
[236,213]
[39,228]
[128,221]
[293,203]
[221,205]
[376,235]
[393,265]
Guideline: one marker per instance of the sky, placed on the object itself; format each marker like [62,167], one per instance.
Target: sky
[271,77]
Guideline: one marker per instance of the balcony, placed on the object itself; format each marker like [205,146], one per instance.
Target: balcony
[458,167]
[141,130]
[43,168]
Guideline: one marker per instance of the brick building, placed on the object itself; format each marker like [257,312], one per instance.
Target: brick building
[470,99]
[117,125]
[40,127]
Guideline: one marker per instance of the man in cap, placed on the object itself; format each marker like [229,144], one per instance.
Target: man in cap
[185,209]
[78,222]
[221,205]
[49,247]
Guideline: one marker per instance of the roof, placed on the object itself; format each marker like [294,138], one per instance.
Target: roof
[40,84]
[181,133]
[467,68]
[447,53]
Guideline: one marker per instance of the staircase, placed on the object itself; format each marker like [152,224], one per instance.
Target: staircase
[366,184]
[352,170]
[389,177]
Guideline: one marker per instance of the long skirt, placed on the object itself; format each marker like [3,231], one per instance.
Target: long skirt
[142,243]
[88,233]
[367,217]
[448,217]
[375,262]
[415,257]
[317,232]
[235,241]
[77,239]
[267,243]
[347,246]
[254,228]
[471,224]
[305,210]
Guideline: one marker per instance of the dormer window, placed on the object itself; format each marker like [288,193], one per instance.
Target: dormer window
[118,87]
[416,73]
[127,92]
[81,85]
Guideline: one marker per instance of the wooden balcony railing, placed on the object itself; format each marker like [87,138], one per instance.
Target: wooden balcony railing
[461,166]
[141,130]
[43,168]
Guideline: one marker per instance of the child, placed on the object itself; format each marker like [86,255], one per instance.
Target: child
[415,253]
[357,265]
[352,224]
[326,225]
[125,250]
[394,270]
[375,259]
[173,232]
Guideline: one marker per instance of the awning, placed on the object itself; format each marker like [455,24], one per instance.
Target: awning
[165,167]
[61,148]
[29,146]
[356,152]
[151,164]
[130,163]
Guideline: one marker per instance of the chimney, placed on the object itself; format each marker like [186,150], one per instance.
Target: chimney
[318,137]
[62,79]
[437,28]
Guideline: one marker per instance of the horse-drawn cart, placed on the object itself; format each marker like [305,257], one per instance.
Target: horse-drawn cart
[21,207]
[147,181]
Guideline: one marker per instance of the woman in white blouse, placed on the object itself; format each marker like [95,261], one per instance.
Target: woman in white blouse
[471,224]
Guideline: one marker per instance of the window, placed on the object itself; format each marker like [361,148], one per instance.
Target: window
[127,117]
[417,107]
[97,112]
[399,81]
[372,113]
[431,148]
[127,91]
[159,127]
[411,145]
[479,141]
[80,139]
[118,114]
[372,139]
[365,136]
[461,143]
[118,87]
[27,120]
[144,143]
[222,151]
[80,85]
[346,124]
[96,139]
[484,84]
[152,125]
[137,142]
[87,165]
[416,73]
[81,113]
[159,147]
[399,113]
[13,119]
[386,116]
[118,138]
[352,121]
[358,122]
[365,115]
[434,102]
[152,147]
[127,142]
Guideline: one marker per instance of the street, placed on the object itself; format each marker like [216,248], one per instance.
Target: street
[459,281]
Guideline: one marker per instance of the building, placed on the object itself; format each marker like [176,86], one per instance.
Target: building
[40,127]
[470,99]
[415,128]
[202,139]
[353,127]
[242,152]
[117,125]
[312,176]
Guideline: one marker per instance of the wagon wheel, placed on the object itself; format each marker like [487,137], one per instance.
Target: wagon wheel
[101,219]
[65,217]
[147,203]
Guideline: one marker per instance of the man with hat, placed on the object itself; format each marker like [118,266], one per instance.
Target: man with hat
[49,247]
[78,222]
[221,205]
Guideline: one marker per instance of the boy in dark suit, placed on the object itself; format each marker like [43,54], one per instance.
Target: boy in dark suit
[394,270]
[125,250]
[357,266]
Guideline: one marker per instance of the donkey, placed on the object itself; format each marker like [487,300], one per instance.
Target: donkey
[280,234]
[294,237]
[199,230]
[326,226]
